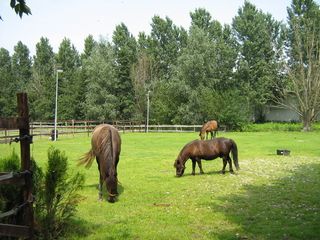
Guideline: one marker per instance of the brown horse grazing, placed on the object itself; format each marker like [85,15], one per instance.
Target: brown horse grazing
[106,147]
[211,126]
[207,150]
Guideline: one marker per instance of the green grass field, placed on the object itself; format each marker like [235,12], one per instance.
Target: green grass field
[271,197]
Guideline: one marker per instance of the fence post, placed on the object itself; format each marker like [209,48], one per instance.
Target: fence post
[24,134]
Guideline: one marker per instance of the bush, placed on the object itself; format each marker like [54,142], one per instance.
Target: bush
[57,196]
[55,193]
[9,194]
[230,108]
[272,126]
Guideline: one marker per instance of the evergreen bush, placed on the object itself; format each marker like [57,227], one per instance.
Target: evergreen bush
[55,192]
[57,196]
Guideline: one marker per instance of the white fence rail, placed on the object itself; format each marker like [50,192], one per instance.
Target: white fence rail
[74,127]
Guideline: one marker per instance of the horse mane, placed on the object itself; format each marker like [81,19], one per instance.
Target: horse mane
[101,147]
[182,158]
[203,128]
[107,153]
[104,149]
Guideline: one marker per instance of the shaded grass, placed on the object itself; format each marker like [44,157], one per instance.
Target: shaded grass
[271,197]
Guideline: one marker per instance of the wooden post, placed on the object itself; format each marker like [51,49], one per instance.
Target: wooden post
[25,141]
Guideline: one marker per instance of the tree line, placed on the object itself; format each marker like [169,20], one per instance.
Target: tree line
[209,71]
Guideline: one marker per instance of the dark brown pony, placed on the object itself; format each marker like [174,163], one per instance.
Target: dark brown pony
[106,147]
[207,150]
[209,127]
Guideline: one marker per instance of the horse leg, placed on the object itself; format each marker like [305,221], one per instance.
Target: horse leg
[100,180]
[224,165]
[100,187]
[193,166]
[230,164]
[211,134]
[200,165]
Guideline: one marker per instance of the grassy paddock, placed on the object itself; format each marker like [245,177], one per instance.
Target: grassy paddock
[271,197]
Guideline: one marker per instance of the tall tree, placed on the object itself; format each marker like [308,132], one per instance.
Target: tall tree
[125,48]
[260,39]
[304,52]
[167,42]
[42,86]
[203,20]
[141,76]
[101,101]
[7,106]
[21,63]
[70,82]
[89,44]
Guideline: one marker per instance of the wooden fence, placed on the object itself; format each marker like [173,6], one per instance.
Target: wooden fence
[72,127]
[24,211]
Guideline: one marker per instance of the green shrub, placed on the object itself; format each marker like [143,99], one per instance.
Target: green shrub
[57,197]
[272,126]
[9,194]
[55,192]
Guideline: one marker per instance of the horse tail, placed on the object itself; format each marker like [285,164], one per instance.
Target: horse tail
[234,151]
[87,159]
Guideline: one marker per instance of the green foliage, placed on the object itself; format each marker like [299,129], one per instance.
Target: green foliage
[21,64]
[167,42]
[42,87]
[125,48]
[261,55]
[71,88]
[89,44]
[100,98]
[9,194]
[57,198]
[229,108]
[6,79]
[273,126]
[20,7]
[55,191]
[304,52]
[110,79]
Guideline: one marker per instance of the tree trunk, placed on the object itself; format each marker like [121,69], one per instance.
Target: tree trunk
[306,120]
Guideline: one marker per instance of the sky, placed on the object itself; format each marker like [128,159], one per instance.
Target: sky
[76,19]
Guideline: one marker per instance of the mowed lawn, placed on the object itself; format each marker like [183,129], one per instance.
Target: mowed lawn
[271,197]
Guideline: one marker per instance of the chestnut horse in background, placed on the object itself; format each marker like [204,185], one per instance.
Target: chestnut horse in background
[106,147]
[207,150]
[211,126]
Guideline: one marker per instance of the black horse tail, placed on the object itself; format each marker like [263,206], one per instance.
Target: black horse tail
[87,159]
[234,150]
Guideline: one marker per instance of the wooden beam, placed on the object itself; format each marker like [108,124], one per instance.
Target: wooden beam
[11,178]
[15,230]
[13,122]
